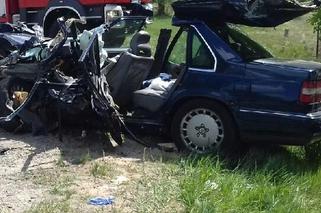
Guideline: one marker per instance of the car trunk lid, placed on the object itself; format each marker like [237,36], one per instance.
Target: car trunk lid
[259,13]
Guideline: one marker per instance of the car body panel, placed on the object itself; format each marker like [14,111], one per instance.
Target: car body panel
[262,95]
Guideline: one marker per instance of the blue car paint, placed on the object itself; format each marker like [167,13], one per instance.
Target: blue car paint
[262,95]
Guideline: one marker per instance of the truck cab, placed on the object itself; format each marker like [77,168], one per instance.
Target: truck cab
[46,12]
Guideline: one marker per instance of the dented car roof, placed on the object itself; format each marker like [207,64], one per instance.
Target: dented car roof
[258,13]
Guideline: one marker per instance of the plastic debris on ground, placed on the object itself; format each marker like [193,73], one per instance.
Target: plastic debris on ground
[100,201]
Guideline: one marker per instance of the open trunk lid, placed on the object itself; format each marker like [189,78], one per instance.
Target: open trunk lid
[259,13]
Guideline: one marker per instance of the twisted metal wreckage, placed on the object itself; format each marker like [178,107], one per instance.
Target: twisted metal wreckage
[47,83]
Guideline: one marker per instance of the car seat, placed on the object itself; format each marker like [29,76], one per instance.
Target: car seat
[131,69]
[155,96]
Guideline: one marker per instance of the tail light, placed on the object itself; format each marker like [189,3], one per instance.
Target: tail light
[311,92]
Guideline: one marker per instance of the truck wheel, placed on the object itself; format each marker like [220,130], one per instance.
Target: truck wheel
[9,87]
[51,27]
[203,126]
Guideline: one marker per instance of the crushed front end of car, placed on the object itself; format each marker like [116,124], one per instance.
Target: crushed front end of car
[58,82]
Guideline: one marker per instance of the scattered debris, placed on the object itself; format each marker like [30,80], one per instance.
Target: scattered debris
[99,201]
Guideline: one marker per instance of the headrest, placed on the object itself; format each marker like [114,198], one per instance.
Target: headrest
[139,44]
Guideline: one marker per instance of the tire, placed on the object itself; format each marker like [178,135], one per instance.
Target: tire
[6,85]
[203,126]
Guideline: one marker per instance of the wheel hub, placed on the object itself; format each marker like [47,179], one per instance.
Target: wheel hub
[201,130]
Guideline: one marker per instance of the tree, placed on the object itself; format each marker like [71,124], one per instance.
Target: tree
[315,20]
[162,7]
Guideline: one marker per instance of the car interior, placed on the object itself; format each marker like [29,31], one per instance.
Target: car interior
[129,77]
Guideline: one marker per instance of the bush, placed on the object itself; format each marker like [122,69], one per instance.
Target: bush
[315,20]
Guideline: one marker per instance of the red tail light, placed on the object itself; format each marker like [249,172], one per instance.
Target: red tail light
[311,92]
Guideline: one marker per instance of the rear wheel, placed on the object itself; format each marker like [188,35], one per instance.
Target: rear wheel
[13,92]
[203,126]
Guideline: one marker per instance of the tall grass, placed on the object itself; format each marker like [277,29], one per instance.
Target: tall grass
[274,182]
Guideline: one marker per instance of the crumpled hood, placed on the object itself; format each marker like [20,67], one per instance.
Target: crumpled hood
[260,13]
[295,64]
[16,39]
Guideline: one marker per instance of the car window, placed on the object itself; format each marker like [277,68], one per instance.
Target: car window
[247,48]
[120,34]
[178,54]
[202,58]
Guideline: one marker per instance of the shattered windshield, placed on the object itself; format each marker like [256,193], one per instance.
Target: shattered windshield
[248,49]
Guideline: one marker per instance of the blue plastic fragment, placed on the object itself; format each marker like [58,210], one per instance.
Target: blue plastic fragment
[100,201]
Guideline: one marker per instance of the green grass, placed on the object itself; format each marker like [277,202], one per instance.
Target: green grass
[51,207]
[154,29]
[300,42]
[281,182]
[158,190]
[62,188]
[102,169]
[266,179]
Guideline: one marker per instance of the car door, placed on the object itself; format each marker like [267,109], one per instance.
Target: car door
[191,62]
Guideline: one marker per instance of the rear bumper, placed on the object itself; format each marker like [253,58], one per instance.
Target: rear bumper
[279,127]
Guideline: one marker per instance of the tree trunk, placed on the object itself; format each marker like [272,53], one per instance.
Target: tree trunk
[161,9]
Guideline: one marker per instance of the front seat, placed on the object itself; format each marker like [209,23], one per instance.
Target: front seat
[131,69]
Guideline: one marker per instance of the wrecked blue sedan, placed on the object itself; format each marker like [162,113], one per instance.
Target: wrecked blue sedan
[211,88]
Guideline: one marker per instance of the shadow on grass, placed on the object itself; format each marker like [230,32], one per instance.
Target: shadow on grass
[270,159]
[274,158]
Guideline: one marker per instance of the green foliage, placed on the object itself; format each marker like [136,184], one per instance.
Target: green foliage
[162,7]
[315,20]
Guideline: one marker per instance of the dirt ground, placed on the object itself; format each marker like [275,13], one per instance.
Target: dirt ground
[42,174]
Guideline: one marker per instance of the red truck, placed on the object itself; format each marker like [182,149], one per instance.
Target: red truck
[46,12]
